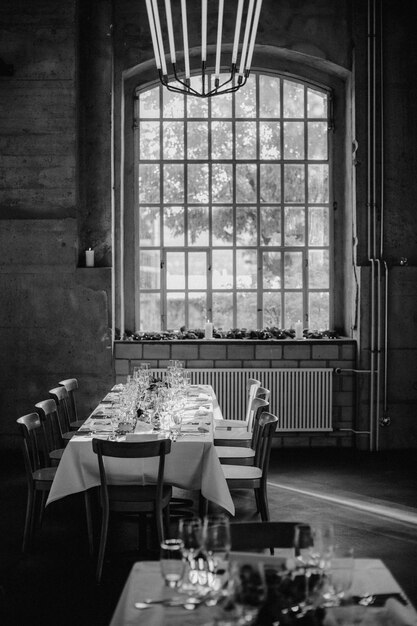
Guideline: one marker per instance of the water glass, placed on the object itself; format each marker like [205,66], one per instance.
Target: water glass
[171,562]
[216,540]
[338,582]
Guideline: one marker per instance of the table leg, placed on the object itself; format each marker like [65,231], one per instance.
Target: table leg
[202,505]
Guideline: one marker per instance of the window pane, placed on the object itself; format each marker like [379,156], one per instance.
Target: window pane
[272,313]
[269,140]
[316,103]
[175,270]
[271,267]
[198,226]
[173,140]
[149,144]
[319,310]
[222,269]
[221,106]
[293,303]
[148,183]
[317,140]
[198,183]
[246,269]
[222,226]
[246,183]
[294,226]
[318,226]
[293,99]
[270,226]
[197,309]
[246,226]
[245,99]
[318,269]
[197,138]
[221,140]
[150,311]
[293,140]
[149,226]
[246,140]
[173,104]
[222,183]
[150,272]
[173,220]
[175,310]
[246,310]
[318,183]
[223,310]
[197,270]
[293,270]
[270,183]
[173,183]
[149,103]
[197,107]
[294,183]
[269,96]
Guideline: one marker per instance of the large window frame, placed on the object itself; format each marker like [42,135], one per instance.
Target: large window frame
[317,73]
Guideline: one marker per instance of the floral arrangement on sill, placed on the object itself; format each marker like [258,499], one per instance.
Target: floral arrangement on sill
[233,333]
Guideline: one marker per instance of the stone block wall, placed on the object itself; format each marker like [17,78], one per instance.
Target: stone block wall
[230,354]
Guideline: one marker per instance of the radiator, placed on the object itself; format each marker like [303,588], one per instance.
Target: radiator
[301,398]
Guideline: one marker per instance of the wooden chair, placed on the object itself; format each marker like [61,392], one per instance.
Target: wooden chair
[252,384]
[257,536]
[140,499]
[255,477]
[242,455]
[48,413]
[39,473]
[71,385]
[61,397]
[241,436]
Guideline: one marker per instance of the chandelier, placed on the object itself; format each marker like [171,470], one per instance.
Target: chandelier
[239,70]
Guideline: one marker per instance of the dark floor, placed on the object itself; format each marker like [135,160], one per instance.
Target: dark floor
[371,498]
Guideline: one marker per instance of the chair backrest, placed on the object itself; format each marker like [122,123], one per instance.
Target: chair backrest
[132,450]
[262,535]
[48,413]
[252,385]
[35,449]
[62,401]
[267,424]
[71,385]
[259,406]
[262,392]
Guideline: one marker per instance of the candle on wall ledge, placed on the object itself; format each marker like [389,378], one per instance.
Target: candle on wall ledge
[89,258]
[298,330]
[208,330]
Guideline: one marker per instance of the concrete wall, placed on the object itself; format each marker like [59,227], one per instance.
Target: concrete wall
[55,188]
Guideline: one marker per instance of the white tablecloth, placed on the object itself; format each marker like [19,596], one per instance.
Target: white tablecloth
[144,581]
[193,464]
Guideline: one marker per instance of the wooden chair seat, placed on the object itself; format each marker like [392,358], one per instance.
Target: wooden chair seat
[44,477]
[237,476]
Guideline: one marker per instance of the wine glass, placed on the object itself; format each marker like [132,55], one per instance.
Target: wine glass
[216,541]
[190,531]
[313,546]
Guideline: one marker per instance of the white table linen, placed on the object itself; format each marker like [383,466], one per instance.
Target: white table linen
[144,581]
[193,463]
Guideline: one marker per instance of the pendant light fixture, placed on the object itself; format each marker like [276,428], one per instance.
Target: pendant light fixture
[179,79]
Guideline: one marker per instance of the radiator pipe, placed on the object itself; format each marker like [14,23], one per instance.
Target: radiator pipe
[341,370]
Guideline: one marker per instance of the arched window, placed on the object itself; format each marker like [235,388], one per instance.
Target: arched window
[232,207]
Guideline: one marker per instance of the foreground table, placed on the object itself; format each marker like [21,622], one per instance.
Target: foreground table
[193,465]
[145,581]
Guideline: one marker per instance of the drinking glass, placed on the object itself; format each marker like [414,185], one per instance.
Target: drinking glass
[313,544]
[216,541]
[339,578]
[175,425]
[171,562]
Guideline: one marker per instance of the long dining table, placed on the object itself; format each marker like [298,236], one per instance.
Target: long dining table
[192,465]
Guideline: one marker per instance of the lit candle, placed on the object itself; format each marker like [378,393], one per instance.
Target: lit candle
[298,330]
[208,330]
[89,258]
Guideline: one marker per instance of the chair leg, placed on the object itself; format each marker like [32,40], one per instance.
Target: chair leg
[263,501]
[102,547]
[44,497]
[89,520]
[28,530]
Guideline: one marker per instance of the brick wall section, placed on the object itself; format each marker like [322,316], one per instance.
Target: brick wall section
[337,353]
